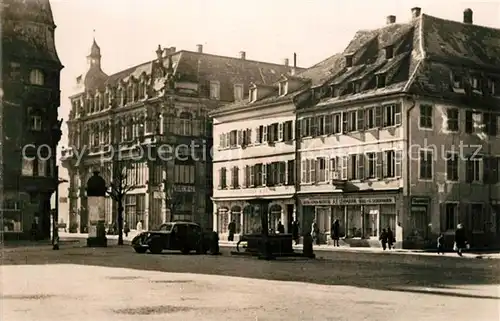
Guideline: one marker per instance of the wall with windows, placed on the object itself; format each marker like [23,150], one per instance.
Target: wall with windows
[455,161]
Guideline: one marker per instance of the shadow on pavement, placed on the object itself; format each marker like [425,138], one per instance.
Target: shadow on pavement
[446,276]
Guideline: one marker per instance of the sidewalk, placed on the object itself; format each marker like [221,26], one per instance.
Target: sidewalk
[317,248]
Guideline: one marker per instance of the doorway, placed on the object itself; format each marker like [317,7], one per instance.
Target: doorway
[289,215]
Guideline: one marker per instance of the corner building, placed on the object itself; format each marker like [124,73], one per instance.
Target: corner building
[141,110]
[380,143]
[30,98]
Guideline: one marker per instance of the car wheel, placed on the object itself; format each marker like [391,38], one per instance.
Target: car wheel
[140,249]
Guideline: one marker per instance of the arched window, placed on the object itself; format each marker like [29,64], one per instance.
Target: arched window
[97,100]
[222,220]
[37,77]
[236,217]
[90,102]
[185,127]
[130,93]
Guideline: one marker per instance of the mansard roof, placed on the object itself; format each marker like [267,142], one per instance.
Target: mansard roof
[204,68]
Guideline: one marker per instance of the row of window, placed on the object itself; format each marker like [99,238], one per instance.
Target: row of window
[476,83]
[478,169]
[472,214]
[258,175]
[37,167]
[275,132]
[475,122]
[36,76]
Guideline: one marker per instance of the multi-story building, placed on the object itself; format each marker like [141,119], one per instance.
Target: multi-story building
[404,135]
[255,154]
[30,129]
[155,114]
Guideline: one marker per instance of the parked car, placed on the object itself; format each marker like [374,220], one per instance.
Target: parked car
[175,236]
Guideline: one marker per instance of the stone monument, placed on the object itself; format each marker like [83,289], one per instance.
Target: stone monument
[96,195]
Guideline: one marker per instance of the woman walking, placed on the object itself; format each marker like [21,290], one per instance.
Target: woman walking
[460,240]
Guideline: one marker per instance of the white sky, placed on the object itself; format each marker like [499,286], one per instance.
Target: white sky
[129,31]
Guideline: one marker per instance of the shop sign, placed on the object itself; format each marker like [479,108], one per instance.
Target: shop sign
[348,201]
[420,201]
[184,189]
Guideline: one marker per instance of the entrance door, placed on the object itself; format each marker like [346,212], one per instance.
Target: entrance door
[419,221]
[371,223]
[289,213]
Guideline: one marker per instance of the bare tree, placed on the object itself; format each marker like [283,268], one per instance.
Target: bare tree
[119,186]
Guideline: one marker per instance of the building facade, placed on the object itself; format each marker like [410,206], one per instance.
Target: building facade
[404,135]
[151,123]
[255,152]
[30,100]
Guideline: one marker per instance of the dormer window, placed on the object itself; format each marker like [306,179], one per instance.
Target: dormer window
[381,80]
[36,77]
[348,61]
[252,94]
[389,52]
[238,92]
[214,90]
[355,87]
[458,82]
[476,83]
[283,88]
[334,91]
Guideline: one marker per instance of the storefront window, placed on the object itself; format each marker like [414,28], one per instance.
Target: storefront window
[354,221]
[236,217]
[371,214]
[223,220]
[11,216]
[419,221]
[388,217]
[323,219]
[274,217]
[251,221]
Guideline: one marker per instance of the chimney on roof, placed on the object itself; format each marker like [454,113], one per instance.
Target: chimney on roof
[391,19]
[243,55]
[293,71]
[199,48]
[415,12]
[173,49]
[468,16]
[286,62]
[159,52]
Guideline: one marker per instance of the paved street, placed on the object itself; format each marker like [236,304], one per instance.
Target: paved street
[114,283]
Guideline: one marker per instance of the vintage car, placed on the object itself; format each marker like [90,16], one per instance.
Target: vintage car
[174,236]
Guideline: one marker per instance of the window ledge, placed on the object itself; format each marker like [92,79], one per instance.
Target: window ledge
[425,128]
[428,180]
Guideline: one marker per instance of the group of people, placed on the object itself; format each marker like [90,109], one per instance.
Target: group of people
[459,244]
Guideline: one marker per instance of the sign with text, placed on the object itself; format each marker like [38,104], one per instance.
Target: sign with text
[184,189]
[95,207]
[348,201]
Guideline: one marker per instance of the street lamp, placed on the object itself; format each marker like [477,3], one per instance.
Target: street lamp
[55,217]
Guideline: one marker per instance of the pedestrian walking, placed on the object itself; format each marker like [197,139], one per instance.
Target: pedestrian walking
[440,244]
[460,240]
[139,226]
[315,232]
[390,239]
[232,230]
[126,229]
[281,228]
[383,239]
[295,231]
[334,232]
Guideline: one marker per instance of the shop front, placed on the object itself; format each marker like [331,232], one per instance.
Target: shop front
[360,216]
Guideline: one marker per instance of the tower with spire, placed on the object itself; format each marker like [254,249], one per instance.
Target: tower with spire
[94,78]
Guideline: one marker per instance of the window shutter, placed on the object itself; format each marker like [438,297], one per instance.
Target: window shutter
[280,132]
[313,167]
[300,128]
[264,134]
[282,173]
[385,163]
[397,114]
[345,159]
[332,169]
[398,160]
[345,123]
[219,172]
[249,136]
[257,134]
[328,124]
[252,176]
[469,171]
[240,137]
[361,166]
[361,120]
[326,176]
[245,176]
[304,171]
[221,140]
[378,116]
[378,165]
[264,174]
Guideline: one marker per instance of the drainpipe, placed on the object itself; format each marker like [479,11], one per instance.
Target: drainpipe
[408,141]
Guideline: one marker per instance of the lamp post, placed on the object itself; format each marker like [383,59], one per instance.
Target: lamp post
[55,229]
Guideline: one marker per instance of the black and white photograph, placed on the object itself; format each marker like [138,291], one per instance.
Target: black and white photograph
[250,160]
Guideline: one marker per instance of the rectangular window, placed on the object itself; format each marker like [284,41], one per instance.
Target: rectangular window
[425,116]
[451,215]
[490,121]
[337,123]
[258,174]
[288,131]
[473,168]
[452,166]
[36,123]
[235,176]
[233,138]
[214,90]
[389,164]
[452,119]
[381,80]
[477,217]
[291,172]
[389,52]
[222,178]
[426,160]
[322,171]
[334,168]
[352,167]
[370,118]
[371,164]
[392,115]
[238,92]
[469,122]
[491,170]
